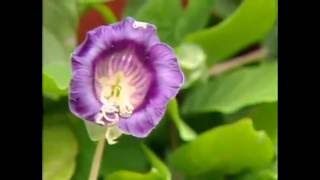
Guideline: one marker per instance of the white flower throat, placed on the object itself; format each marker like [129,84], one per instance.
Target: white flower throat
[122,84]
[115,97]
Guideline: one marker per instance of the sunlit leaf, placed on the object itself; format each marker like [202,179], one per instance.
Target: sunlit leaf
[247,25]
[164,14]
[125,175]
[240,88]
[207,176]
[59,28]
[56,63]
[59,151]
[269,173]
[229,149]
[50,89]
[195,17]
[265,117]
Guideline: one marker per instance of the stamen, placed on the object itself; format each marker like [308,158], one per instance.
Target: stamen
[108,108]
[109,112]
[126,110]
[114,106]
[112,120]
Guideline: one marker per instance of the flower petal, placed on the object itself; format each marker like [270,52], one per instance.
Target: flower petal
[139,32]
[168,80]
[168,74]
[82,99]
[141,123]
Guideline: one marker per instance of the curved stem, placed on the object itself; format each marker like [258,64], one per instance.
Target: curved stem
[253,56]
[95,166]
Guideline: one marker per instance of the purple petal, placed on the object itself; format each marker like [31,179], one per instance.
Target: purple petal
[106,36]
[143,121]
[168,80]
[128,30]
[168,73]
[82,99]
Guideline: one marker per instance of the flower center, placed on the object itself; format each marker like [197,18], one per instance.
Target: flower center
[122,83]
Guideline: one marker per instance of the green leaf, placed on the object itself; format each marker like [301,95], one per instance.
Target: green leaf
[207,176]
[55,60]
[59,39]
[61,12]
[229,149]
[86,149]
[50,89]
[265,117]
[240,88]
[265,174]
[59,150]
[133,6]
[185,132]
[125,155]
[269,173]
[159,166]
[224,8]
[164,14]
[126,175]
[190,21]
[159,170]
[247,25]
[271,42]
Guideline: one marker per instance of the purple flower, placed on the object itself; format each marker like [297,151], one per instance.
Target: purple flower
[124,77]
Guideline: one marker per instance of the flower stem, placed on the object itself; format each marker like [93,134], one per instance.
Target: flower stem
[253,56]
[95,166]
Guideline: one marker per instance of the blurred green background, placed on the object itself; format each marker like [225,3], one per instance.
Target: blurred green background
[222,125]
